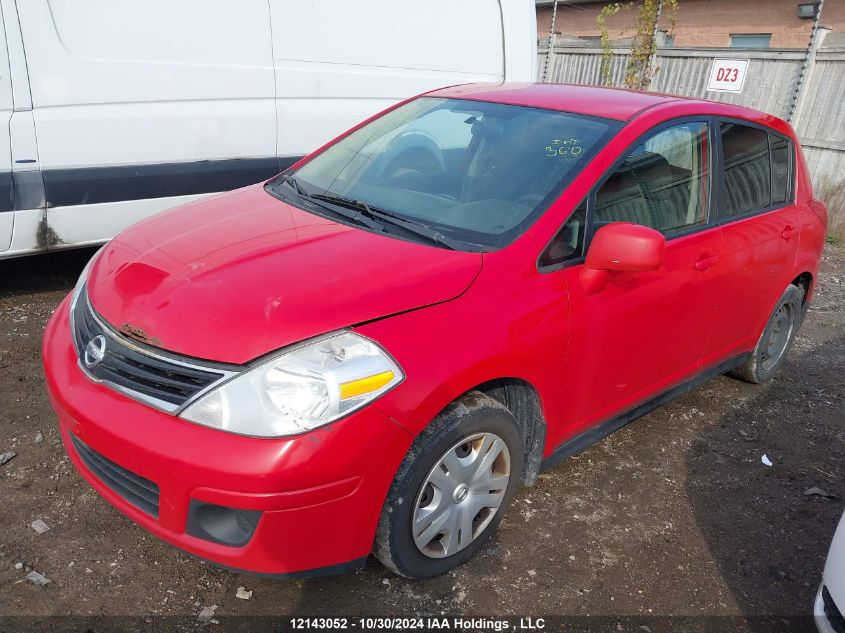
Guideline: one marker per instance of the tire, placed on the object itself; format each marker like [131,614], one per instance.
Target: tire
[435,500]
[770,352]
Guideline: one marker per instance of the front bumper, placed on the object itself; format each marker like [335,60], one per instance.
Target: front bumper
[829,608]
[319,494]
[828,620]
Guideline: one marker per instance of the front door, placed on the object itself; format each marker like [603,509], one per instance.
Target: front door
[647,331]
[141,106]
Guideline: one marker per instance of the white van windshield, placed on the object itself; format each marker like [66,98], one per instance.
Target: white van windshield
[472,173]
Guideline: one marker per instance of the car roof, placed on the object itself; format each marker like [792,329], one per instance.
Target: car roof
[611,103]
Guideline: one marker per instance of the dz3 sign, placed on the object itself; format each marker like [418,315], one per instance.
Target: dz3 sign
[727,75]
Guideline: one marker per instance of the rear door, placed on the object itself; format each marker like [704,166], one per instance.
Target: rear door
[647,331]
[760,222]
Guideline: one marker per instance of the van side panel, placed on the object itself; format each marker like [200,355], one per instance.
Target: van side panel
[7,215]
[338,62]
[520,35]
[156,101]
[138,107]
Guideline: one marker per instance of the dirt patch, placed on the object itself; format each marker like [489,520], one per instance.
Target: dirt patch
[673,515]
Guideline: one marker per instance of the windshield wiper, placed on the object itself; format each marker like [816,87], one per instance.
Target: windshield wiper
[338,209]
[372,217]
[417,228]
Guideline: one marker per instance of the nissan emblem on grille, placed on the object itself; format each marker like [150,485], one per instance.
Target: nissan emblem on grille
[95,351]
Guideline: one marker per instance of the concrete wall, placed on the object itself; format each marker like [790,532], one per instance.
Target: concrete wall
[702,23]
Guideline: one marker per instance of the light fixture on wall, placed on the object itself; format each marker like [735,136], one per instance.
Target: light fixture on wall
[807,11]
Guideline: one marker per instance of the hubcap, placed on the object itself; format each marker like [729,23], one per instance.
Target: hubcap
[779,336]
[461,495]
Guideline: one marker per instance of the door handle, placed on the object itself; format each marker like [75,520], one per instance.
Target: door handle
[705,262]
[789,232]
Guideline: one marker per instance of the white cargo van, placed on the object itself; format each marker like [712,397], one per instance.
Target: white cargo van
[115,110]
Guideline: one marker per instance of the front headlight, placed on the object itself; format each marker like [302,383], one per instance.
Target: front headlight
[83,276]
[300,389]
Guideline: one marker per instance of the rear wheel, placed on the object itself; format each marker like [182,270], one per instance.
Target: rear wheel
[769,354]
[449,494]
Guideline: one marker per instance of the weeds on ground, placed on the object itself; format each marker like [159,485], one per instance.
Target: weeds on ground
[833,193]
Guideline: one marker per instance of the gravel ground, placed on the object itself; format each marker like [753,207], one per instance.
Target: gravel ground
[675,515]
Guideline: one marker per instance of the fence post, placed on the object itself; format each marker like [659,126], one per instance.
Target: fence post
[551,45]
[806,67]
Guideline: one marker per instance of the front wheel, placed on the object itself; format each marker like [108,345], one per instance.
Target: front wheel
[770,352]
[450,492]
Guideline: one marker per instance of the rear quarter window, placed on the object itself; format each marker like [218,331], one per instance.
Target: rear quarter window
[781,150]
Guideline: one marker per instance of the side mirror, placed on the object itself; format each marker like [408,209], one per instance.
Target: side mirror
[621,246]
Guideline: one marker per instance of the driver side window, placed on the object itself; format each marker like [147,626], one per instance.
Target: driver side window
[663,183]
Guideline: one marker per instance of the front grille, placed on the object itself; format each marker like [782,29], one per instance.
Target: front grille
[834,616]
[140,492]
[146,375]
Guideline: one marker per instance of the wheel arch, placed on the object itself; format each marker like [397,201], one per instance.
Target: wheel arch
[805,282]
[523,401]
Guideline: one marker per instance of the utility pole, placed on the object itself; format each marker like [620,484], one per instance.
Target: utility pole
[809,60]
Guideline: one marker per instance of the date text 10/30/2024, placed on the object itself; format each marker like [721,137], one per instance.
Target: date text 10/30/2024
[416,623]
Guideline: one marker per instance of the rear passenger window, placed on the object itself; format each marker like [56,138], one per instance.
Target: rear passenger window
[663,183]
[748,171]
[780,148]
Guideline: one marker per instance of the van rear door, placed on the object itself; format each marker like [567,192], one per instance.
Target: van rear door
[7,215]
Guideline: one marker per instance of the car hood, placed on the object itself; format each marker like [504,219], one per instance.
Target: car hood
[238,275]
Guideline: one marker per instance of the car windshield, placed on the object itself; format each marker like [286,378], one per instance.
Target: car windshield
[470,175]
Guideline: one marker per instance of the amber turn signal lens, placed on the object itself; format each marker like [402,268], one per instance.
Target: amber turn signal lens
[362,386]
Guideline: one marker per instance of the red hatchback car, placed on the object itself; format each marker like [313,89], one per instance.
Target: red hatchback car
[369,352]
